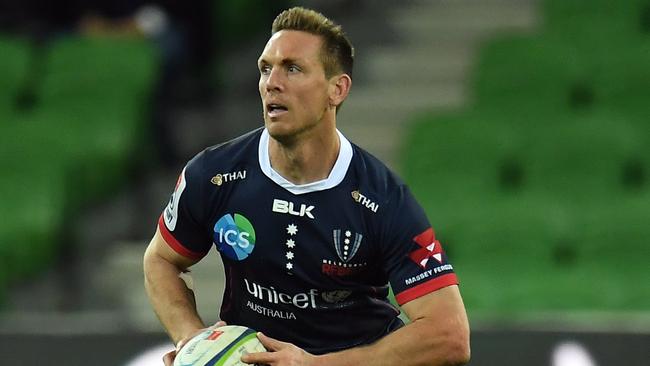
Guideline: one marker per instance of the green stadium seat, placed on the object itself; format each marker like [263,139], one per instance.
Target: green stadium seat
[534,232]
[74,147]
[13,65]
[540,191]
[580,156]
[467,148]
[523,73]
[558,72]
[597,19]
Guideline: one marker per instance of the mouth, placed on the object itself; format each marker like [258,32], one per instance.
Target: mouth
[275,110]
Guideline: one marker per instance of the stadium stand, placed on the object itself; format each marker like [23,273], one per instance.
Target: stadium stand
[14,63]
[63,155]
[543,181]
[93,115]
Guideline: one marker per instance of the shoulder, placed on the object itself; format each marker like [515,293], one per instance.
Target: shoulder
[231,154]
[374,176]
[239,149]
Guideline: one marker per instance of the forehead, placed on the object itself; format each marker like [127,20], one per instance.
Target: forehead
[291,44]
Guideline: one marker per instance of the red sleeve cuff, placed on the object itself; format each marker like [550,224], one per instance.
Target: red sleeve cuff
[437,283]
[175,244]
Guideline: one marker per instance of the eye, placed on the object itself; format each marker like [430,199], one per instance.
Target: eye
[265,69]
[293,68]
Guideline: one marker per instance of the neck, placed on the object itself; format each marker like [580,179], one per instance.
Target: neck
[309,159]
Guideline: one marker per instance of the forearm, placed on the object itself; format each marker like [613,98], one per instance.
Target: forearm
[172,301]
[412,345]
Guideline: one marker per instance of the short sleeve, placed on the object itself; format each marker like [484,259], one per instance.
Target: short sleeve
[182,223]
[414,259]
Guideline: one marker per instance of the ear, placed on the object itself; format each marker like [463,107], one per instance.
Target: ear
[339,88]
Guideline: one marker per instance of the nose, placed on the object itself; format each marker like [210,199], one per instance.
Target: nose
[274,81]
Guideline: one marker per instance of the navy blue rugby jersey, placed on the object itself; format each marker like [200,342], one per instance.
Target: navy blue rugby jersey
[307,264]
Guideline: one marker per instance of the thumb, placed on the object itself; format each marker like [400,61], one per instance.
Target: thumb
[271,344]
[168,358]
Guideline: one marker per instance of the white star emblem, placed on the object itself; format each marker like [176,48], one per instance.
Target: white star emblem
[289,265]
[348,233]
[292,229]
[289,255]
[291,243]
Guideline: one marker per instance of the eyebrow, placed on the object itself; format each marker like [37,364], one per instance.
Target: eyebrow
[286,61]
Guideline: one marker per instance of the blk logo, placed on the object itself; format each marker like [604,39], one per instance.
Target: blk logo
[287,207]
[429,248]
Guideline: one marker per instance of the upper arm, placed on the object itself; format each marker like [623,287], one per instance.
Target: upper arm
[440,315]
[443,306]
[414,259]
[182,236]
[445,312]
[159,249]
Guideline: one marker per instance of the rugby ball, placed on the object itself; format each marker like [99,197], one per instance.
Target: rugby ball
[221,346]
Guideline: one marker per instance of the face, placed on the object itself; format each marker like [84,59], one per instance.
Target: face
[294,90]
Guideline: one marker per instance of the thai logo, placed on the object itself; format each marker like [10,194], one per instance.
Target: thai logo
[365,201]
[220,179]
[234,236]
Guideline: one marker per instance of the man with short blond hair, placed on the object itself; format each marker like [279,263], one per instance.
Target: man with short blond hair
[311,228]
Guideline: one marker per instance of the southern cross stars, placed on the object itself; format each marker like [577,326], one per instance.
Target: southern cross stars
[291,243]
[292,229]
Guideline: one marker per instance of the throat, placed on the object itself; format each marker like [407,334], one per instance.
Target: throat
[304,163]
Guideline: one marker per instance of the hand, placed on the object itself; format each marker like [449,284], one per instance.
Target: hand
[280,354]
[168,358]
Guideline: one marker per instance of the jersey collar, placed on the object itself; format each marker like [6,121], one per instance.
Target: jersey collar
[336,175]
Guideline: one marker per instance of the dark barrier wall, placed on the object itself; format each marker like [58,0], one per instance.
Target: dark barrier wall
[75,350]
[502,348]
[491,348]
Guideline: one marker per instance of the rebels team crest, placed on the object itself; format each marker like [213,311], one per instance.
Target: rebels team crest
[346,244]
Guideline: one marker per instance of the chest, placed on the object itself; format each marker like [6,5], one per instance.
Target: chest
[317,237]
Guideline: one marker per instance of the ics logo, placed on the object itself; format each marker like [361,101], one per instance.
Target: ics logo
[234,236]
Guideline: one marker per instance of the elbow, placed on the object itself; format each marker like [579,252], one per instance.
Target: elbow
[458,349]
[459,354]
[452,348]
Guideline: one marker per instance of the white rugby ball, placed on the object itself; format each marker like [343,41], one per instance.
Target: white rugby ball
[221,346]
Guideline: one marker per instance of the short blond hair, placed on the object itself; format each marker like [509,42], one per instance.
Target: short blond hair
[337,53]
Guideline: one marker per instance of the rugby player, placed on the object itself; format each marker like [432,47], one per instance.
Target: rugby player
[311,228]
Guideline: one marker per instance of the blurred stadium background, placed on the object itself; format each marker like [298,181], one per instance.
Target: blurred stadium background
[521,125]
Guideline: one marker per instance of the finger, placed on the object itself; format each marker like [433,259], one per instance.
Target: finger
[259,358]
[184,341]
[271,344]
[218,324]
[181,343]
[168,358]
